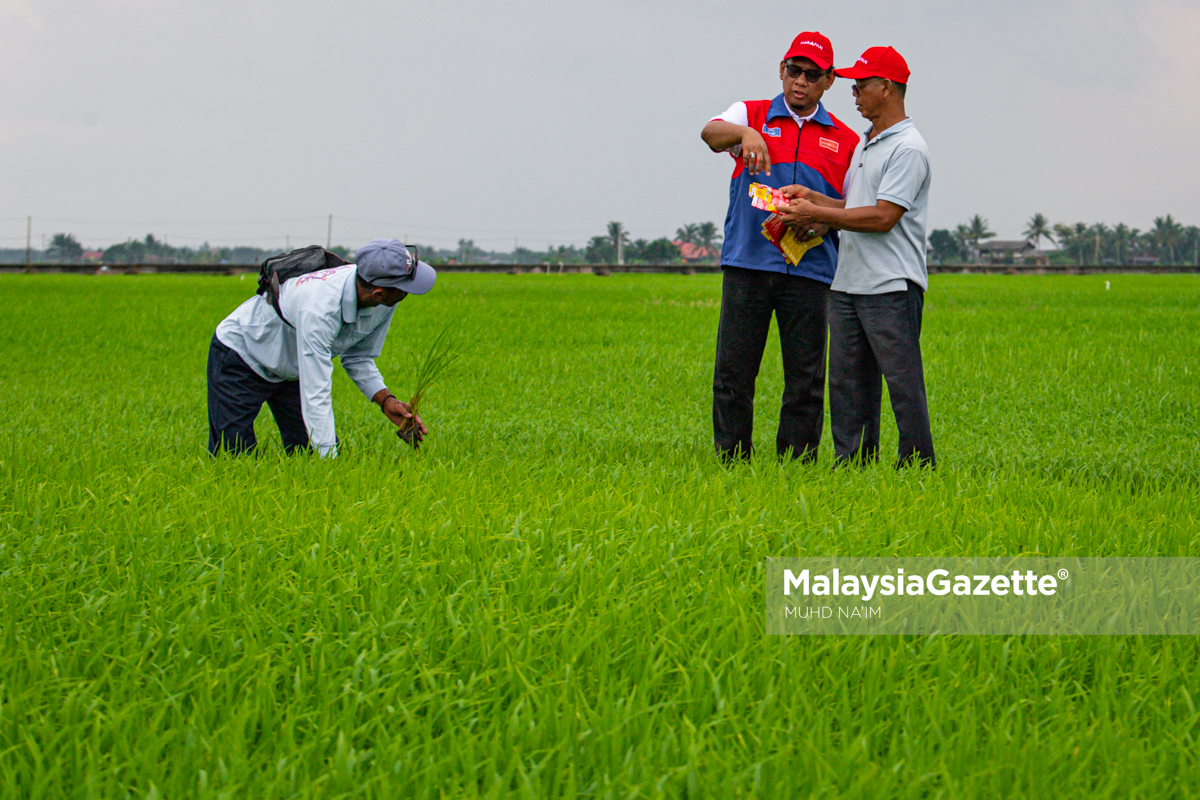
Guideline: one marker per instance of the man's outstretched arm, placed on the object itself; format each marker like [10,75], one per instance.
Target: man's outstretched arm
[721,135]
[796,191]
[879,218]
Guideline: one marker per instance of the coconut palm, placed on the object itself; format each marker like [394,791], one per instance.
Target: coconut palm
[1122,237]
[1167,235]
[963,234]
[1038,229]
[1080,230]
[617,233]
[467,249]
[978,230]
[1099,234]
[687,234]
[1191,239]
[1064,236]
[64,247]
[620,239]
[707,236]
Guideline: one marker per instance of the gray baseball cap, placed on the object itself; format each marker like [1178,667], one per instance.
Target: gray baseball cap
[387,262]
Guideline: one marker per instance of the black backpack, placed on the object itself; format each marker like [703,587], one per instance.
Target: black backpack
[277,269]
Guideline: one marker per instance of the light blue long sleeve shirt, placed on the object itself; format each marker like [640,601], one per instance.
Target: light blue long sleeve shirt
[323,308]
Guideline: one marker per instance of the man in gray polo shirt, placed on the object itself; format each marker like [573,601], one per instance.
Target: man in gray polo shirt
[878,292]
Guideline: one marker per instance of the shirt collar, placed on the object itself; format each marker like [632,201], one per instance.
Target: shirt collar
[899,126]
[350,298]
[780,108]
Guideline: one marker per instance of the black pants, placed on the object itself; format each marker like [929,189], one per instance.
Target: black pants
[872,335]
[235,396]
[748,298]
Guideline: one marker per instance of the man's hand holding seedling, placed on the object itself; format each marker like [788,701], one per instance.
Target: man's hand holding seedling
[400,414]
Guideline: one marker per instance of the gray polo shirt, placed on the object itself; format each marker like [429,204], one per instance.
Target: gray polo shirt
[894,166]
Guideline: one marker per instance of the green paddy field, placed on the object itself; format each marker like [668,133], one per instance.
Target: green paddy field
[561,595]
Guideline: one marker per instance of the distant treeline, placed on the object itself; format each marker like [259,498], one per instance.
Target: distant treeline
[1168,242]
[697,242]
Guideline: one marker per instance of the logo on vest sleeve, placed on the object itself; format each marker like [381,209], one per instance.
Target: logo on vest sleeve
[771,131]
[829,144]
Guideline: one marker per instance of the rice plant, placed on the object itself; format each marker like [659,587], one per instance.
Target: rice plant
[433,364]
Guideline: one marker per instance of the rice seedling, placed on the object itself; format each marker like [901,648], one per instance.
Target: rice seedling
[433,364]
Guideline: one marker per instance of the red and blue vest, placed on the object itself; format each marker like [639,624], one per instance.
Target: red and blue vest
[815,155]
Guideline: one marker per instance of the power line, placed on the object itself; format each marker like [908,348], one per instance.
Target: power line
[168,223]
[509,231]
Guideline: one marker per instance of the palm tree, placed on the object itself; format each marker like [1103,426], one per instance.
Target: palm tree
[1065,236]
[1100,234]
[687,234]
[1143,241]
[1191,236]
[1121,238]
[1037,229]
[620,238]
[707,236]
[64,247]
[1167,234]
[1080,230]
[977,230]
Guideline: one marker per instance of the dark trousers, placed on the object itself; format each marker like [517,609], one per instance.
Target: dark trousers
[235,396]
[873,335]
[748,299]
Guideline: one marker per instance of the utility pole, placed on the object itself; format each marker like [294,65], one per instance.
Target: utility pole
[620,249]
[329,235]
[28,236]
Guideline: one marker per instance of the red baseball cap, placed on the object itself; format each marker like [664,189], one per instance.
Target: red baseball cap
[878,62]
[813,46]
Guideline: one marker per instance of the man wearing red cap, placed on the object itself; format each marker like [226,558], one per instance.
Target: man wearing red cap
[877,296]
[790,140]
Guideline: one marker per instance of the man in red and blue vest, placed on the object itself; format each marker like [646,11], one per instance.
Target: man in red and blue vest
[789,140]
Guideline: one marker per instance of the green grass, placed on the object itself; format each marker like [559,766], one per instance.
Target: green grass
[560,595]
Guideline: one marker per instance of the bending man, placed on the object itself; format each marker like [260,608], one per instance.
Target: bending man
[258,357]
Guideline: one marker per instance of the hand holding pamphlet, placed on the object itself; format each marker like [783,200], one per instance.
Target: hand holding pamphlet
[775,229]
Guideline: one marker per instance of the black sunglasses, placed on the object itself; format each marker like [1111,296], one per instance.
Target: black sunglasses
[813,75]
[411,267]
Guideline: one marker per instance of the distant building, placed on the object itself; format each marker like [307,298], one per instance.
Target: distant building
[1018,247]
[697,254]
[1011,251]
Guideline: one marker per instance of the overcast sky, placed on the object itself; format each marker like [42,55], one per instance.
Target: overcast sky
[251,121]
